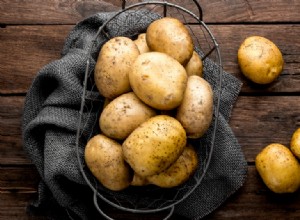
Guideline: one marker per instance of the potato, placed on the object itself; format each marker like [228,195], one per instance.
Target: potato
[138,180]
[179,172]
[278,168]
[104,158]
[194,66]
[158,80]
[170,36]
[295,143]
[124,114]
[141,43]
[196,110]
[260,60]
[154,145]
[112,67]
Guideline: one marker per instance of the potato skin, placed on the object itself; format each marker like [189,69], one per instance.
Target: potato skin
[154,145]
[179,172]
[170,36]
[158,80]
[104,158]
[124,114]
[260,60]
[194,66]
[112,67]
[141,43]
[196,110]
[278,168]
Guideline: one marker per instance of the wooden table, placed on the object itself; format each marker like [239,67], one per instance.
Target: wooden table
[32,34]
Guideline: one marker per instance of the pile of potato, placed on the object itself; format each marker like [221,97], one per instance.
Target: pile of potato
[156,99]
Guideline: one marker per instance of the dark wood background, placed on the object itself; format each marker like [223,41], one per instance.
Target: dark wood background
[32,34]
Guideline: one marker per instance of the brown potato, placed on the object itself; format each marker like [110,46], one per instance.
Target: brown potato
[295,143]
[124,114]
[141,43]
[104,158]
[196,110]
[170,36]
[179,172]
[112,67]
[154,145]
[194,66]
[260,60]
[158,80]
[139,181]
[278,168]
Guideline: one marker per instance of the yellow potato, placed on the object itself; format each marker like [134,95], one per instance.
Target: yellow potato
[141,43]
[158,80]
[124,114]
[154,145]
[138,180]
[179,172]
[104,158]
[260,60]
[194,66]
[170,36]
[112,67]
[295,143]
[278,168]
[196,110]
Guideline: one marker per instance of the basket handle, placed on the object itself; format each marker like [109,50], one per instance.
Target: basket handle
[109,218]
[195,1]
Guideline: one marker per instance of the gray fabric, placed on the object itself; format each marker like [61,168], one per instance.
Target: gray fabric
[51,115]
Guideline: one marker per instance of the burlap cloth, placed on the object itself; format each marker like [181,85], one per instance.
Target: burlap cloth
[50,121]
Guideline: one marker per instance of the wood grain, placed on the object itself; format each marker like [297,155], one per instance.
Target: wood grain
[256,121]
[29,48]
[19,178]
[253,199]
[261,120]
[32,34]
[217,11]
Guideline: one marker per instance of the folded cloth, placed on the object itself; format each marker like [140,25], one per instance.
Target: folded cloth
[50,121]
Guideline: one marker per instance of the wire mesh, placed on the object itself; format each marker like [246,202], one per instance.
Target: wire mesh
[149,199]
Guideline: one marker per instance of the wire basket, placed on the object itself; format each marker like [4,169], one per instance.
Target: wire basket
[152,199]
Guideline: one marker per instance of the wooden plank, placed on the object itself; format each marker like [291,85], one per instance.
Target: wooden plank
[218,11]
[261,120]
[253,200]
[18,178]
[230,37]
[256,122]
[13,205]
[11,145]
[28,48]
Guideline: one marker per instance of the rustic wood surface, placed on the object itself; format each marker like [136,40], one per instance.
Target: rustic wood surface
[32,34]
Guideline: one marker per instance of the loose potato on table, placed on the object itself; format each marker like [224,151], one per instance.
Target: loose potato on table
[179,172]
[158,80]
[104,158]
[278,168]
[123,114]
[112,67]
[196,110]
[154,145]
[170,36]
[260,60]
[295,143]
